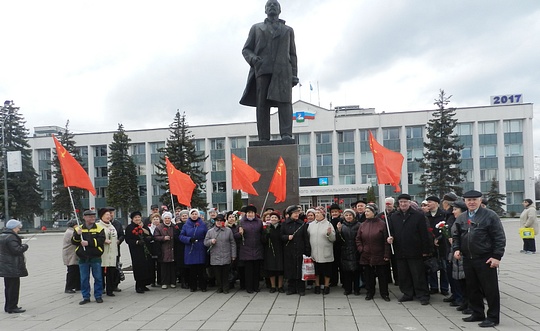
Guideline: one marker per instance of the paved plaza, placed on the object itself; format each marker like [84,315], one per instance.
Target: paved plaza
[49,308]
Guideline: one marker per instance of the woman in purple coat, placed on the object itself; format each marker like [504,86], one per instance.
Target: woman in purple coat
[192,235]
[251,247]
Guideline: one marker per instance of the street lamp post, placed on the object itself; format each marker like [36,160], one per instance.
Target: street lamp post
[7,103]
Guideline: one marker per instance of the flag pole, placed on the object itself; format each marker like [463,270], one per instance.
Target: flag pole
[264,203]
[75,211]
[386,216]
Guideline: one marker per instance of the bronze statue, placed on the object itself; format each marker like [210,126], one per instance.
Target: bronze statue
[271,53]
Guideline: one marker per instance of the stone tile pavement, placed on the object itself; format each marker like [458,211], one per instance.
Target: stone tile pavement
[49,308]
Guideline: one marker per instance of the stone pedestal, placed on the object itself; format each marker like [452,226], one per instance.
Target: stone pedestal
[264,159]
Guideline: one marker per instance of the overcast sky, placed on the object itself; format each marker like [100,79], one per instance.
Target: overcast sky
[100,63]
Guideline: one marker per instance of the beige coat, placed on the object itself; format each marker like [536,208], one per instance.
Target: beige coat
[322,245]
[110,251]
[528,219]
[68,249]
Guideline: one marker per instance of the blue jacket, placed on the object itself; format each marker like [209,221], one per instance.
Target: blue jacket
[194,253]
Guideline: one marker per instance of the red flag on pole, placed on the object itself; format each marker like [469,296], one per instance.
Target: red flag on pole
[243,176]
[388,163]
[180,184]
[278,185]
[73,173]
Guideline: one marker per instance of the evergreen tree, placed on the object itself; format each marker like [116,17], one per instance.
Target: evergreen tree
[61,202]
[122,192]
[370,195]
[24,194]
[237,200]
[495,198]
[181,150]
[442,157]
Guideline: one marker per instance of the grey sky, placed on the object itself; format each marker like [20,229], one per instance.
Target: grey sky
[100,63]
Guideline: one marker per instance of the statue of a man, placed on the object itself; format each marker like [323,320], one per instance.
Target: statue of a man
[271,54]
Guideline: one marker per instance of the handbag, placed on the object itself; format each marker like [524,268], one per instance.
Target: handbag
[308,268]
[526,233]
[431,264]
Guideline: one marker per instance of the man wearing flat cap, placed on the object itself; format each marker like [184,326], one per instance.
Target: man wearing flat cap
[409,235]
[478,237]
[90,241]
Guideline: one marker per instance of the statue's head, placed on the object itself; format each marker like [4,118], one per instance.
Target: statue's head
[272,8]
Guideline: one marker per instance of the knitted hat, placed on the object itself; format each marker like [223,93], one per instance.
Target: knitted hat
[321,210]
[348,210]
[135,213]
[12,224]
[191,211]
[166,214]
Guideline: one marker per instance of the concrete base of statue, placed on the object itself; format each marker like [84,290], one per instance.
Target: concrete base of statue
[264,158]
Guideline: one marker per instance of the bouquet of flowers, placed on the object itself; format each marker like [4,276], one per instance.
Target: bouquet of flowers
[443,227]
[138,231]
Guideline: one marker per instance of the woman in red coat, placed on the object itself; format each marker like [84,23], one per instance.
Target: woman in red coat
[374,252]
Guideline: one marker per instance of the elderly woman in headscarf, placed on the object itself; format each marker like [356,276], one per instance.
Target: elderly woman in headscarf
[321,239]
[374,252]
[164,233]
[110,251]
[192,235]
[139,240]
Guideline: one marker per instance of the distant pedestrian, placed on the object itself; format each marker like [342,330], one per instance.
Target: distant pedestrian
[12,264]
[528,219]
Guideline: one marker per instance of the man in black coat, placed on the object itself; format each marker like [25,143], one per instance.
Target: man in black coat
[409,235]
[478,236]
[296,244]
[271,53]
[12,265]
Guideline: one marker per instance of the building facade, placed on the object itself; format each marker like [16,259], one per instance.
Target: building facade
[335,161]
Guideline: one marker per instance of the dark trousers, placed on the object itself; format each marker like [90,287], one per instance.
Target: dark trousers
[156,271]
[196,276]
[350,280]
[221,272]
[529,245]
[296,286]
[482,281]
[465,296]
[168,273]
[263,111]
[109,277]
[412,278]
[440,276]
[376,271]
[12,286]
[73,278]
[336,272]
[252,271]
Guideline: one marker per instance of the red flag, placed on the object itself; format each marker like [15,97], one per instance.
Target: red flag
[278,185]
[73,173]
[180,184]
[243,176]
[388,163]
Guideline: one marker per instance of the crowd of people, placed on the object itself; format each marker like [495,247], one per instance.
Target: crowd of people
[452,246]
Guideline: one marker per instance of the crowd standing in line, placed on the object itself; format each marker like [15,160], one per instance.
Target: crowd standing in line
[462,240]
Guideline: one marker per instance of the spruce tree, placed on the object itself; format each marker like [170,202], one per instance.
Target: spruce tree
[495,198]
[24,194]
[181,150]
[237,200]
[442,156]
[61,202]
[123,189]
[370,195]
